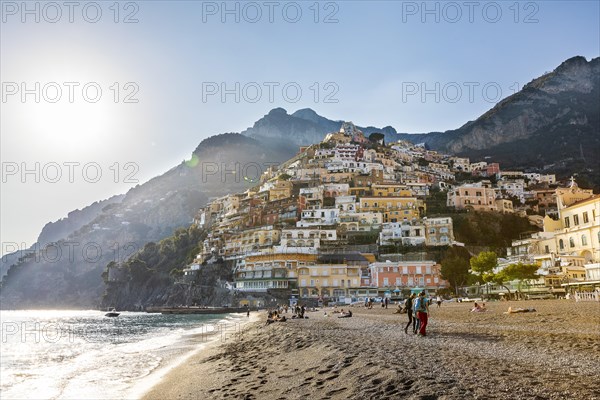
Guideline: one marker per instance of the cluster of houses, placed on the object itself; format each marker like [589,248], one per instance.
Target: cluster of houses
[567,250]
[317,225]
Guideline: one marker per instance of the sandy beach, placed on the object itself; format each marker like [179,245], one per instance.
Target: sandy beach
[553,353]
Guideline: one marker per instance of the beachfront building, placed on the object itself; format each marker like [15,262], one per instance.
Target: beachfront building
[266,272]
[328,281]
[577,231]
[407,274]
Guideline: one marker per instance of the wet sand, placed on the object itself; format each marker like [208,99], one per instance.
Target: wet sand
[553,353]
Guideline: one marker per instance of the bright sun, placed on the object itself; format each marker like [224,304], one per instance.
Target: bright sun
[64,127]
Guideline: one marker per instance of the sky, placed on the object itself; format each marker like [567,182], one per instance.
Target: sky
[100,96]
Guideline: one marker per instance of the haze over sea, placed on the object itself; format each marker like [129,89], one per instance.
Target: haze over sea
[68,354]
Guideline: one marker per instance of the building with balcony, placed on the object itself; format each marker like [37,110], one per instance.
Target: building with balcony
[407,274]
[318,216]
[328,281]
[264,272]
[406,233]
[395,209]
[438,231]
[475,196]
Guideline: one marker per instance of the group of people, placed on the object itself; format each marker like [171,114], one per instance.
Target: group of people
[274,316]
[417,309]
[370,300]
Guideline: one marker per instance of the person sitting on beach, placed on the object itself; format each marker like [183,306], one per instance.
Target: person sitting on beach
[478,308]
[346,314]
[519,310]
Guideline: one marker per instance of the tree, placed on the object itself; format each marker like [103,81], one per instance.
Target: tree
[521,272]
[455,267]
[483,265]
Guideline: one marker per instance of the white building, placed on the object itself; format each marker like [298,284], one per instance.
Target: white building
[318,216]
[304,240]
[404,233]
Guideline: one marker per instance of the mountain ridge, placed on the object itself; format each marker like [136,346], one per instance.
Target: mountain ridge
[552,124]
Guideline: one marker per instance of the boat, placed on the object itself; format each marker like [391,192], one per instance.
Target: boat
[112,313]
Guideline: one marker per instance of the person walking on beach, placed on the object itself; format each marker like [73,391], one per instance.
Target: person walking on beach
[422,308]
[408,305]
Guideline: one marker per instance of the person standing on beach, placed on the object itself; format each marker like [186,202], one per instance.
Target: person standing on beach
[422,311]
[408,305]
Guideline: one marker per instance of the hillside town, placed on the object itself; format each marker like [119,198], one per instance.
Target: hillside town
[329,225]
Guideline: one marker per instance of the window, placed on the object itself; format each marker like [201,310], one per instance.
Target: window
[418,270]
[575,219]
[583,240]
[547,249]
[561,244]
[571,242]
[585,218]
[405,268]
[567,222]
[386,282]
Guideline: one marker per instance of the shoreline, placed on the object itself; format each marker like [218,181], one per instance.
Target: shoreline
[206,341]
[553,353]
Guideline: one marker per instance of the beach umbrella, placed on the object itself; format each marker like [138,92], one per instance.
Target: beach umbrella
[397,290]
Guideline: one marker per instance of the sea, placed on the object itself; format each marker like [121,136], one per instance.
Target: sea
[65,354]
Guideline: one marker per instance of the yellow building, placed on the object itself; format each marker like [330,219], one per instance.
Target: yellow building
[250,241]
[361,221]
[577,232]
[281,190]
[565,197]
[328,280]
[391,190]
[504,206]
[394,209]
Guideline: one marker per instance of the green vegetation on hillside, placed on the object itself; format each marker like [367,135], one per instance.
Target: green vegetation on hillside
[156,264]
[493,230]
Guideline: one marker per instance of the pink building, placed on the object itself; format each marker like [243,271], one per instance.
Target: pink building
[407,274]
